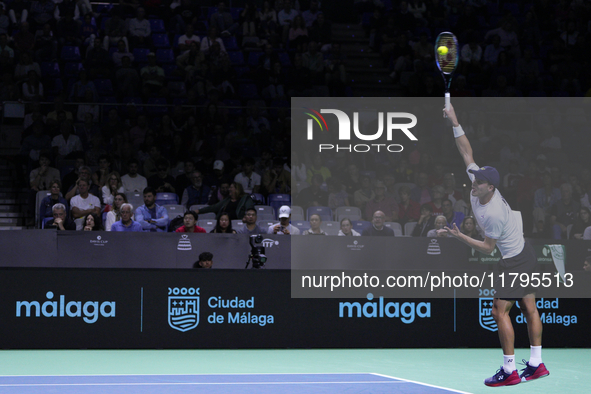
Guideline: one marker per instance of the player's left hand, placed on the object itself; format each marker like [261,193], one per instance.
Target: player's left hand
[454,232]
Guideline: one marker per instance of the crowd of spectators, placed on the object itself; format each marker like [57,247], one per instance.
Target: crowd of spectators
[194,105]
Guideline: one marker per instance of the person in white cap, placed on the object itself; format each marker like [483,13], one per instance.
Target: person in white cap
[283,227]
[503,229]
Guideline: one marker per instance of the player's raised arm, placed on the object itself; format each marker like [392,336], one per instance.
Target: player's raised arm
[461,140]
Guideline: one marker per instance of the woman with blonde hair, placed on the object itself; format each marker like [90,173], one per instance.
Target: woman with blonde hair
[440,223]
[114,214]
[112,187]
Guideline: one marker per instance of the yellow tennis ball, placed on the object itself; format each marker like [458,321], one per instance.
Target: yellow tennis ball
[442,50]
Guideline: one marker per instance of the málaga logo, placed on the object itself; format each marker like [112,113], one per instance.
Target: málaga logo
[183,308]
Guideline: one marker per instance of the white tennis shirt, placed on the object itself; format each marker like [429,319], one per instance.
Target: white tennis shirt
[498,221]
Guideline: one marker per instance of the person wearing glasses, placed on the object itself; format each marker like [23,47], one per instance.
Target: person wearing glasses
[112,187]
[162,181]
[250,224]
[197,193]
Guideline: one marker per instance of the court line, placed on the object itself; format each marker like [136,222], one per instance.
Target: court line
[422,384]
[191,383]
[213,373]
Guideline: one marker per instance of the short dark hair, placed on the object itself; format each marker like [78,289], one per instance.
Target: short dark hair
[247,160]
[206,256]
[446,200]
[133,161]
[193,213]
[251,209]
[428,207]
[149,190]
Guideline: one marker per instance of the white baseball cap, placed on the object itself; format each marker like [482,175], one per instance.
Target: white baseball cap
[218,165]
[284,211]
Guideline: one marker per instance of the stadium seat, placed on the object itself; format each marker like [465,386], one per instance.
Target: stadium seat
[264,224]
[207,224]
[50,69]
[165,56]
[157,26]
[253,58]
[174,210]
[230,43]
[236,58]
[258,197]
[330,228]
[237,224]
[39,197]
[140,55]
[396,227]
[265,210]
[409,227]
[135,199]
[45,220]
[277,200]
[266,216]
[72,69]
[104,87]
[351,213]
[70,54]
[324,212]
[360,225]
[297,213]
[248,91]
[302,225]
[161,40]
[166,198]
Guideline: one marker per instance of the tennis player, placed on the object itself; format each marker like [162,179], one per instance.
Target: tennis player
[503,228]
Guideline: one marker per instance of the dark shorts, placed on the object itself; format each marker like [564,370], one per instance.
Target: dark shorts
[525,262]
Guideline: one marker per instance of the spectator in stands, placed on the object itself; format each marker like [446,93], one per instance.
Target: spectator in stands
[421,193]
[65,6]
[24,40]
[197,193]
[66,143]
[438,193]
[438,229]
[298,34]
[284,227]
[426,221]
[313,60]
[112,187]
[212,36]
[89,31]
[88,132]
[78,92]
[383,203]
[139,30]
[471,55]
[162,181]
[347,228]
[223,225]
[26,64]
[286,17]
[313,195]
[190,224]
[468,228]
[222,20]
[151,216]
[250,180]
[250,226]
[60,221]
[4,21]
[268,20]
[183,180]
[408,210]
[68,31]
[153,78]
[423,50]
[315,222]
[587,264]
[127,78]
[84,203]
[18,12]
[564,212]
[42,178]
[249,19]
[337,194]
[122,51]
[507,37]
[46,206]
[544,198]
[235,204]
[311,14]
[491,52]
[69,178]
[83,173]
[92,222]
[277,179]
[88,106]
[185,41]
[114,214]
[150,166]
[132,181]
[36,142]
[115,31]
[450,215]
[32,88]
[5,49]
[126,223]
[581,223]
[205,261]
[450,191]
[377,227]
[365,194]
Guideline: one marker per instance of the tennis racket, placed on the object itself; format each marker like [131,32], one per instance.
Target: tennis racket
[448,62]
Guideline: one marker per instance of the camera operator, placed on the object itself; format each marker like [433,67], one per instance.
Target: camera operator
[283,227]
[205,261]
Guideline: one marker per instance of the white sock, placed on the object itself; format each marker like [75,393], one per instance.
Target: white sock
[509,363]
[535,358]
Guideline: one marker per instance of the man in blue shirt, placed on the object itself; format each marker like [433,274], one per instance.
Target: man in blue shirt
[151,216]
[126,223]
[450,215]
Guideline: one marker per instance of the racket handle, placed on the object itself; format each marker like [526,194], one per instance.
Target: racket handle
[447,100]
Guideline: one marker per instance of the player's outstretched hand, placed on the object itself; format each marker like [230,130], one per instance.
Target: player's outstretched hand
[454,232]
[451,115]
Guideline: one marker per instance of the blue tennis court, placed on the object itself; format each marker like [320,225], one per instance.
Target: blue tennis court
[218,383]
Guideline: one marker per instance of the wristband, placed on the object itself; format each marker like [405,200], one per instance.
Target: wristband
[458,131]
